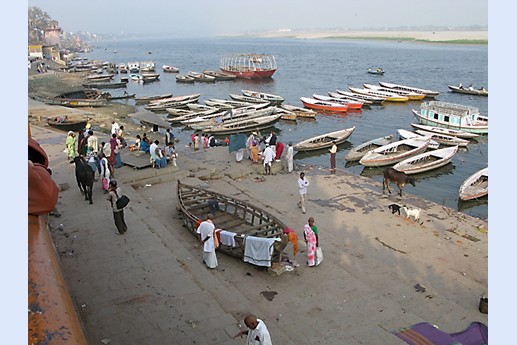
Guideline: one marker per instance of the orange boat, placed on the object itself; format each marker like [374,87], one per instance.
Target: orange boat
[351,104]
[316,104]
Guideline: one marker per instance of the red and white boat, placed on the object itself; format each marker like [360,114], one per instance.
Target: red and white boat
[316,104]
[170,69]
[351,104]
[249,66]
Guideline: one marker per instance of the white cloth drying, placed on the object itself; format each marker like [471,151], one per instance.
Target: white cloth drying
[258,250]
[227,238]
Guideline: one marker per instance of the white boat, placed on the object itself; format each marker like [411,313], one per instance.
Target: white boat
[475,186]
[273,99]
[352,99]
[225,103]
[427,93]
[452,116]
[242,98]
[147,66]
[351,104]
[426,161]
[359,151]
[394,152]
[256,123]
[136,77]
[133,67]
[193,96]
[446,131]
[324,140]
[201,77]
[388,96]
[444,139]
[405,134]
[356,96]
[299,111]
[413,96]
[122,68]
[227,117]
[180,78]
[170,69]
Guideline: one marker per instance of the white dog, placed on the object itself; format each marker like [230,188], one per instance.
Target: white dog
[411,212]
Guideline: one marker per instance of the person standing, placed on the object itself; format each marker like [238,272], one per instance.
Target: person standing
[93,143]
[120,137]
[82,143]
[268,159]
[170,153]
[290,156]
[105,173]
[70,145]
[249,144]
[118,214]
[333,151]
[311,241]
[272,142]
[169,137]
[159,161]
[257,332]
[196,142]
[205,233]
[114,127]
[279,150]
[303,183]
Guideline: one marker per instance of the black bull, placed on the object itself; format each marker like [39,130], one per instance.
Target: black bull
[84,176]
[398,177]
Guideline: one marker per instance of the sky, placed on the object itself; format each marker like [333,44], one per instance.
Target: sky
[219,17]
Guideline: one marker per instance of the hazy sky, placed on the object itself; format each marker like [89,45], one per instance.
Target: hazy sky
[215,17]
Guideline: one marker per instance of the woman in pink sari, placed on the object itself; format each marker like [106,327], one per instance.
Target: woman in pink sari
[310,240]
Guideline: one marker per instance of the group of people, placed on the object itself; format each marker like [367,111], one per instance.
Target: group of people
[159,156]
[205,141]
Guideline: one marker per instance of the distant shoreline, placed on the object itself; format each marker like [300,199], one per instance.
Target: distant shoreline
[460,37]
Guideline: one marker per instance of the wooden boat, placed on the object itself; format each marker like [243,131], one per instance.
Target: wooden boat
[99,77]
[468,91]
[427,93]
[256,123]
[217,102]
[230,116]
[452,116]
[193,96]
[219,76]
[359,151]
[180,78]
[273,99]
[249,66]
[66,123]
[475,186]
[349,103]
[316,104]
[147,66]
[412,96]
[446,131]
[147,99]
[299,111]
[242,98]
[377,71]
[201,77]
[82,98]
[325,140]
[373,99]
[110,97]
[444,139]
[105,85]
[350,98]
[394,152]
[149,77]
[136,77]
[163,106]
[389,97]
[426,161]
[405,134]
[233,215]
[286,114]
[170,69]
[122,68]
[133,67]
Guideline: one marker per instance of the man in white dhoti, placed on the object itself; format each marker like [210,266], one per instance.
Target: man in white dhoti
[205,233]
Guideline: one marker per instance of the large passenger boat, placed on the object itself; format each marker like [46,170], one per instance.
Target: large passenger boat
[249,66]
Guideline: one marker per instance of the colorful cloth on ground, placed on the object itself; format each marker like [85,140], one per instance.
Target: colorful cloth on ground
[426,334]
[310,239]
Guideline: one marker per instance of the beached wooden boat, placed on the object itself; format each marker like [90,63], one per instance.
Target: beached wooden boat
[148,99]
[201,77]
[66,123]
[426,161]
[394,152]
[232,215]
[446,131]
[229,116]
[475,186]
[193,96]
[180,78]
[99,77]
[388,96]
[356,96]
[226,103]
[163,106]
[170,69]
[325,106]
[249,66]
[350,104]
[356,153]
[376,71]
[299,111]
[452,116]
[286,114]
[81,98]
[219,76]
[444,139]
[242,98]
[325,140]
[105,85]
[427,93]
[405,134]
[273,99]
[413,96]
[468,91]
[247,125]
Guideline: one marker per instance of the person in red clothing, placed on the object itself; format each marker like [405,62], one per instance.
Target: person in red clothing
[279,150]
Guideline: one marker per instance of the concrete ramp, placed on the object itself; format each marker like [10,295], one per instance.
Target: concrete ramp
[135,159]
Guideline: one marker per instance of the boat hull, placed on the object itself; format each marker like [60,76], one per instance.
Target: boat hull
[481,129]
[475,186]
[325,140]
[426,161]
[393,153]
[262,74]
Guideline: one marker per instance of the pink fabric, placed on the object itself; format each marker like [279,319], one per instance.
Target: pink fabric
[279,150]
[310,239]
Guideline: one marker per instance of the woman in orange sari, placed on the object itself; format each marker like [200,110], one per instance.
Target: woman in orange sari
[254,152]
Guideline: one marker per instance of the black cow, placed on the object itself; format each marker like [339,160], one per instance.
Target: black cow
[84,176]
[399,177]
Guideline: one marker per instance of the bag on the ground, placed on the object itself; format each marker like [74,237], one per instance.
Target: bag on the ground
[319,255]
[104,183]
[122,202]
